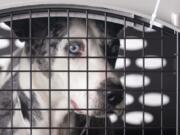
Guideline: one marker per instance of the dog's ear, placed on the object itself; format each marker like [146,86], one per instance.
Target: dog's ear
[20,28]
[113,30]
[113,43]
[113,51]
[24,28]
[37,27]
[36,30]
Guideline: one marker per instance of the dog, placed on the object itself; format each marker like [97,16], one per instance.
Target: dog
[61,71]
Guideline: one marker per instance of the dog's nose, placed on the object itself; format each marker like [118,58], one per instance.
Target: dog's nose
[114,92]
[114,97]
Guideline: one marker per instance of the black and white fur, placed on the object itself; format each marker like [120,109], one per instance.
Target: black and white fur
[58,46]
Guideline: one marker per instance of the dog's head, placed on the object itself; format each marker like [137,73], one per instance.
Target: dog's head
[82,57]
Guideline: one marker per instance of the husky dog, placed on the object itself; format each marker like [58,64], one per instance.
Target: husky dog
[63,69]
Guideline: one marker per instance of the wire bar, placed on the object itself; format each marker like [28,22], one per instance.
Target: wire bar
[87,125]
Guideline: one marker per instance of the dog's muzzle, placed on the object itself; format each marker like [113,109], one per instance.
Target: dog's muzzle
[113,92]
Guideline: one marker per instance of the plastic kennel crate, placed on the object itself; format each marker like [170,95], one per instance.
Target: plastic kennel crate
[147,64]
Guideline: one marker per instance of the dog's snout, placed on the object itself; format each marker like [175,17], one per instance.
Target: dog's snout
[114,97]
[113,91]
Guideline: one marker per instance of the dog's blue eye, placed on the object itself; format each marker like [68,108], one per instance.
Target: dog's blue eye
[74,48]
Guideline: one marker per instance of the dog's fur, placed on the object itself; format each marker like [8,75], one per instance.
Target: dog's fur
[58,82]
